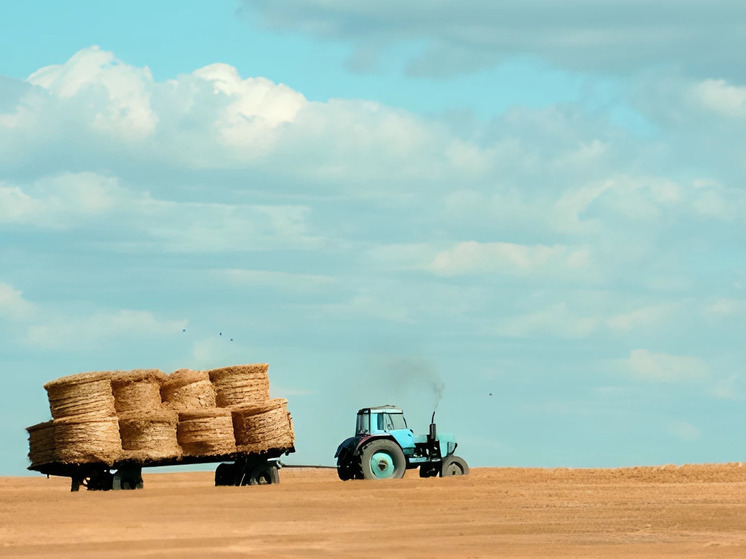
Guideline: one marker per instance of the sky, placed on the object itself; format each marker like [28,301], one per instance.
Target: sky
[529,215]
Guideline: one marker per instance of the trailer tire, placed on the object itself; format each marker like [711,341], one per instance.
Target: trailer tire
[454,466]
[225,474]
[382,459]
[264,474]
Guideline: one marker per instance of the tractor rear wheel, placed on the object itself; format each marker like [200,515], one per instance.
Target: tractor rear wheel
[454,466]
[382,459]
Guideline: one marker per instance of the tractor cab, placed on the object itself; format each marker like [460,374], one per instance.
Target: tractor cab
[382,419]
[385,420]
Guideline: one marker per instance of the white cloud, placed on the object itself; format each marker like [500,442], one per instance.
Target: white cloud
[662,367]
[72,332]
[644,318]
[76,200]
[723,308]
[557,320]
[116,95]
[13,306]
[721,97]
[508,258]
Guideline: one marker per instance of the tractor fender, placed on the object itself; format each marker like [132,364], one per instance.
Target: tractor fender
[367,438]
[347,443]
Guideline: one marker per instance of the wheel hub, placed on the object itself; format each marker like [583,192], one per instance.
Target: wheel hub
[382,465]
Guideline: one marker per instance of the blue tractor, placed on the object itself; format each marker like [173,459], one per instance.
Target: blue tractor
[384,448]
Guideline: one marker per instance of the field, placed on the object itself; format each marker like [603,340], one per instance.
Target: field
[688,511]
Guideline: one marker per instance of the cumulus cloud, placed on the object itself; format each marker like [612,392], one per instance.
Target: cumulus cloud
[472,257]
[663,367]
[616,35]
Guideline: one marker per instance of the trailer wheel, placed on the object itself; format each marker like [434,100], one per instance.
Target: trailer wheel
[454,466]
[382,459]
[225,474]
[264,474]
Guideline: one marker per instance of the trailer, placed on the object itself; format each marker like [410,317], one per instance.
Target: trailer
[238,468]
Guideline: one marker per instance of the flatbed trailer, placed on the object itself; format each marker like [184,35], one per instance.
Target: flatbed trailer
[238,468]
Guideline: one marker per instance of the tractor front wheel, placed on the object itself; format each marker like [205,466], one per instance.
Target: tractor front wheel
[454,466]
[382,459]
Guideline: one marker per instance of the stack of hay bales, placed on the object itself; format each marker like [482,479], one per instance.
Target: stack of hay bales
[146,427]
[240,385]
[206,431]
[85,424]
[145,415]
[259,427]
[185,390]
[41,443]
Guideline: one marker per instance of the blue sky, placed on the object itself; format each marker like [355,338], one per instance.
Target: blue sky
[531,214]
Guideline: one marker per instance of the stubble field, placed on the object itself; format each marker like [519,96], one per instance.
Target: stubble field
[687,511]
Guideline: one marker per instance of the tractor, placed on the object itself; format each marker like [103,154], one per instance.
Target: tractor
[384,448]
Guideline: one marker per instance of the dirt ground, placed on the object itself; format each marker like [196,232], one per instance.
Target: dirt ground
[669,511]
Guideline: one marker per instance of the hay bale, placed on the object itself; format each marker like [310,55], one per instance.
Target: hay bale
[206,432]
[149,436]
[138,390]
[81,394]
[41,443]
[240,385]
[187,390]
[87,438]
[259,428]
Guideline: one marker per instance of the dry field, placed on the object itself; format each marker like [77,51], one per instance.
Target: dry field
[689,511]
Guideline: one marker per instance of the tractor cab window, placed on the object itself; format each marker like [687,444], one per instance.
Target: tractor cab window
[397,419]
[363,424]
[393,421]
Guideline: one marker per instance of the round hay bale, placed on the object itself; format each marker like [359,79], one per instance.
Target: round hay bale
[41,443]
[239,385]
[259,428]
[88,438]
[149,436]
[138,390]
[186,390]
[206,432]
[81,394]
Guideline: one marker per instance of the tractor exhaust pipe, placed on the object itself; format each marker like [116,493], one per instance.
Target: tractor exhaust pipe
[433,428]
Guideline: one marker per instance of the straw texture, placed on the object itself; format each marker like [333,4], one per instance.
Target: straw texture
[206,432]
[187,390]
[149,436]
[41,443]
[259,428]
[84,393]
[138,390]
[89,438]
[241,384]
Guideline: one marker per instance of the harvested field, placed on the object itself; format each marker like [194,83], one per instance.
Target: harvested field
[692,511]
